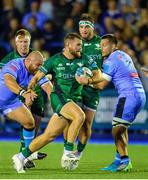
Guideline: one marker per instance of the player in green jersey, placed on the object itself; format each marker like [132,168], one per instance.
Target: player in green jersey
[64,97]
[22,41]
[90,96]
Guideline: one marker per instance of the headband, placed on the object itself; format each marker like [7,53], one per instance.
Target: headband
[88,23]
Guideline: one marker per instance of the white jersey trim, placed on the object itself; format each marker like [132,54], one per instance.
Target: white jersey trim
[107,77]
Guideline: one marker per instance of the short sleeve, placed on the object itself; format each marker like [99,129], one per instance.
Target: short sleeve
[12,68]
[109,69]
[47,66]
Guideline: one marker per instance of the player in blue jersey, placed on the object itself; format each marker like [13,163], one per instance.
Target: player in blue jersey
[14,79]
[119,68]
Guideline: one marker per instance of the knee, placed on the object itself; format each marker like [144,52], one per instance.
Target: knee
[80,118]
[29,123]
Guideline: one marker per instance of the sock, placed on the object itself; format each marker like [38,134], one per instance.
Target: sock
[28,135]
[65,142]
[125,159]
[117,158]
[80,147]
[22,139]
[26,152]
[68,147]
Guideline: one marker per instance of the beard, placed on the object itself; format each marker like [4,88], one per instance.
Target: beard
[76,54]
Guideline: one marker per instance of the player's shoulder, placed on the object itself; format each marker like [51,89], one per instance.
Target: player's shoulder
[97,38]
[55,56]
[18,62]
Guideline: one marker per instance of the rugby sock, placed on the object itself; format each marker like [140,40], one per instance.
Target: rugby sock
[65,141]
[117,158]
[68,147]
[80,146]
[25,153]
[22,139]
[125,159]
[28,135]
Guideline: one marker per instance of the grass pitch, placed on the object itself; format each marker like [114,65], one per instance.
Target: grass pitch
[95,157]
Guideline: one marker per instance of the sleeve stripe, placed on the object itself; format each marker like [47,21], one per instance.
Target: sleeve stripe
[44,70]
[107,77]
[10,74]
[44,83]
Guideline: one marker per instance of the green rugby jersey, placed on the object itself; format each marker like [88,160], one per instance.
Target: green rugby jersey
[12,55]
[63,72]
[93,50]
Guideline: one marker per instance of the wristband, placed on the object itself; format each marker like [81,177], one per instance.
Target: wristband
[22,91]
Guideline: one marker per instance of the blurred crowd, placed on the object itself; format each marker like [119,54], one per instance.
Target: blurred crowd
[49,20]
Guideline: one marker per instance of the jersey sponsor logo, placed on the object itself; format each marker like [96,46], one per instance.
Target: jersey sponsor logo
[60,68]
[134,75]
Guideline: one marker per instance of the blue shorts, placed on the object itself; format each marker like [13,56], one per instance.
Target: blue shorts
[127,108]
[5,108]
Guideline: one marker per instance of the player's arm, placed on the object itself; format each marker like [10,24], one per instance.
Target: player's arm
[96,78]
[39,75]
[11,83]
[101,85]
[47,87]
[106,79]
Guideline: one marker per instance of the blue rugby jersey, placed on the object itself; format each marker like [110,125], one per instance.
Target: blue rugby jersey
[119,69]
[17,69]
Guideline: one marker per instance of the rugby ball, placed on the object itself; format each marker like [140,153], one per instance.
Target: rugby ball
[83,71]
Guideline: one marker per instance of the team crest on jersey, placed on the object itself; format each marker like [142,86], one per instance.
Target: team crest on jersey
[80,64]
[87,44]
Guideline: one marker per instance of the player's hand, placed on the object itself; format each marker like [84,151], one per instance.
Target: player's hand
[29,96]
[82,80]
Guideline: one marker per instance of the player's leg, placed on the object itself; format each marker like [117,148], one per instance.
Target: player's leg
[37,110]
[126,111]
[86,130]
[77,117]
[121,143]
[90,101]
[24,117]
[55,127]
[117,115]
[73,113]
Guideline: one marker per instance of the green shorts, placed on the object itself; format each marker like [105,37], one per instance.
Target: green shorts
[58,101]
[38,106]
[90,97]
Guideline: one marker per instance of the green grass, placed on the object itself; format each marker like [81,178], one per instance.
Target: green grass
[95,157]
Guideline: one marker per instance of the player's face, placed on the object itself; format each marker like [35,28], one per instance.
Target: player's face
[106,47]
[22,45]
[75,47]
[85,31]
[34,66]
